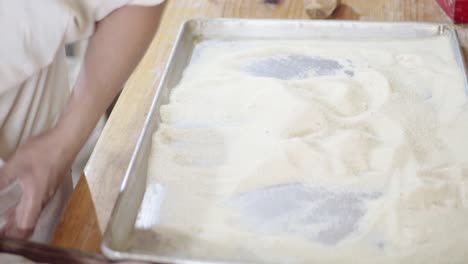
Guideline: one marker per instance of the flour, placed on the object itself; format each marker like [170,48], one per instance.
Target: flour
[313,151]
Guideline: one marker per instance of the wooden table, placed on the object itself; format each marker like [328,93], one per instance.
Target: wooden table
[91,204]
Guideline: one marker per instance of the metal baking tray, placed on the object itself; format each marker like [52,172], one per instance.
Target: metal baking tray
[121,228]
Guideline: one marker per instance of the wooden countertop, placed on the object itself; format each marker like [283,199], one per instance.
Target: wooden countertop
[91,204]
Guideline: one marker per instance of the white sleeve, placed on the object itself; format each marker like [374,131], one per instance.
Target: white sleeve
[31,33]
[34,30]
[85,13]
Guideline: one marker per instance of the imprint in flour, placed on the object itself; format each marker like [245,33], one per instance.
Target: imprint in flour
[292,67]
[328,216]
[193,145]
[344,156]
[442,186]
[311,124]
[343,98]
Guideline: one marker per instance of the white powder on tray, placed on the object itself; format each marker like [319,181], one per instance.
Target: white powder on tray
[313,151]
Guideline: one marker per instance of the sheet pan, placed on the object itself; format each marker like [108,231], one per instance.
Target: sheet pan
[117,240]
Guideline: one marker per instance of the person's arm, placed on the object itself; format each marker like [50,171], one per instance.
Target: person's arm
[114,50]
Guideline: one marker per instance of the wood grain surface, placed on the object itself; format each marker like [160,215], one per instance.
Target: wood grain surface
[23,252]
[81,217]
[90,207]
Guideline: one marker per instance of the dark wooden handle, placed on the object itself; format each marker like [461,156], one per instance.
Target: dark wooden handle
[47,254]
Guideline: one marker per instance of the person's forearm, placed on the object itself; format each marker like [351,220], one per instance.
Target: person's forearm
[113,52]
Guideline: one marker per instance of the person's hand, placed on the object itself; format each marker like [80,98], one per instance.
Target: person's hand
[39,165]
